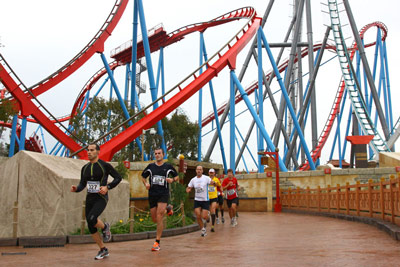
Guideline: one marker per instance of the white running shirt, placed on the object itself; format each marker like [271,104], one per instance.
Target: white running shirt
[200,185]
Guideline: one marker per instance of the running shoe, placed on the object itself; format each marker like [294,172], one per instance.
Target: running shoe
[170,210]
[212,229]
[156,246]
[203,232]
[233,222]
[102,254]
[223,220]
[217,220]
[106,232]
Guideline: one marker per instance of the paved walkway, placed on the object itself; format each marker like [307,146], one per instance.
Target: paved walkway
[260,239]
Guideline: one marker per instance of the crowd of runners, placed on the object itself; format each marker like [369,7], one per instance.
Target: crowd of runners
[156,177]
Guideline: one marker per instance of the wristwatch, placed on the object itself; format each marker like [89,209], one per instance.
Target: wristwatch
[108,187]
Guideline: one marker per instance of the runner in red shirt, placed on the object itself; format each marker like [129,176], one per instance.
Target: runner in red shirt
[231,186]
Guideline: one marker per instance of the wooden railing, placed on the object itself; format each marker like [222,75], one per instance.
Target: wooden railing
[376,200]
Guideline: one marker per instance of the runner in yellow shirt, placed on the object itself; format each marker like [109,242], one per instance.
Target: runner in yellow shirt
[213,196]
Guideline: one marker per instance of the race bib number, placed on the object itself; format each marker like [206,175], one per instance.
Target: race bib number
[199,190]
[231,192]
[93,186]
[211,188]
[158,180]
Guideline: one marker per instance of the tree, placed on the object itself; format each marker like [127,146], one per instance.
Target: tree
[180,134]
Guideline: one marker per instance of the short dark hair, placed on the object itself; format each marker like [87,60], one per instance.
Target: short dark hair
[159,148]
[229,170]
[95,144]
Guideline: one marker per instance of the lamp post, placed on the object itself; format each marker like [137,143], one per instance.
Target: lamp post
[152,131]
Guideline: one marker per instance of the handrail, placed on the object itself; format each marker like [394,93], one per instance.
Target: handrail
[374,199]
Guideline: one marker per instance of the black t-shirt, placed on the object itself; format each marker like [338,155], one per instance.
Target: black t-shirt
[94,175]
[158,175]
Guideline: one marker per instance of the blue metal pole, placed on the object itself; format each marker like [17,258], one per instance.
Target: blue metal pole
[13,136]
[260,98]
[109,110]
[22,135]
[150,71]
[218,125]
[44,142]
[95,95]
[232,123]
[237,144]
[288,103]
[253,112]
[388,84]
[127,77]
[114,84]
[134,56]
[383,82]
[200,113]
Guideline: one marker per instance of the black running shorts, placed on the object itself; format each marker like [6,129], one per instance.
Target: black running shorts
[153,200]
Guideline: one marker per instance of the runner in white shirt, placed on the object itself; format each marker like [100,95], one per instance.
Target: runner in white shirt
[201,201]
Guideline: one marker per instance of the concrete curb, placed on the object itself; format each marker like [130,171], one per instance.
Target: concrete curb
[52,241]
[389,228]
[5,242]
[42,241]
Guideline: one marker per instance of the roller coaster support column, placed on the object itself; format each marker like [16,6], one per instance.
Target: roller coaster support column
[255,117]
[134,57]
[160,72]
[241,75]
[150,72]
[288,103]
[366,69]
[232,122]
[309,90]
[200,113]
[218,125]
[260,99]
[14,137]
[109,110]
[22,134]
[289,70]
[121,101]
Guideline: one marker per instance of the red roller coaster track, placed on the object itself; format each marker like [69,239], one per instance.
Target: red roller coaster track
[226,56]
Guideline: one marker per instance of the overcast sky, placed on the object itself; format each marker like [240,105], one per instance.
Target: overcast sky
[40,36]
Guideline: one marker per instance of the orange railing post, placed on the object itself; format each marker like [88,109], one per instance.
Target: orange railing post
[392,182]
[358,198]
[382,197]
[290,198]
[338,198]
[329,197]
[347,198]
[370,197]
[308,197]
[319,198]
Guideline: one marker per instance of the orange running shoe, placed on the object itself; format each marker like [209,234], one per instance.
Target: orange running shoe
[170,210]
[156,246]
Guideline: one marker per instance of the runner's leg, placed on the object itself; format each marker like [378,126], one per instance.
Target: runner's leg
[197,212]
[160,215]
[93,210]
